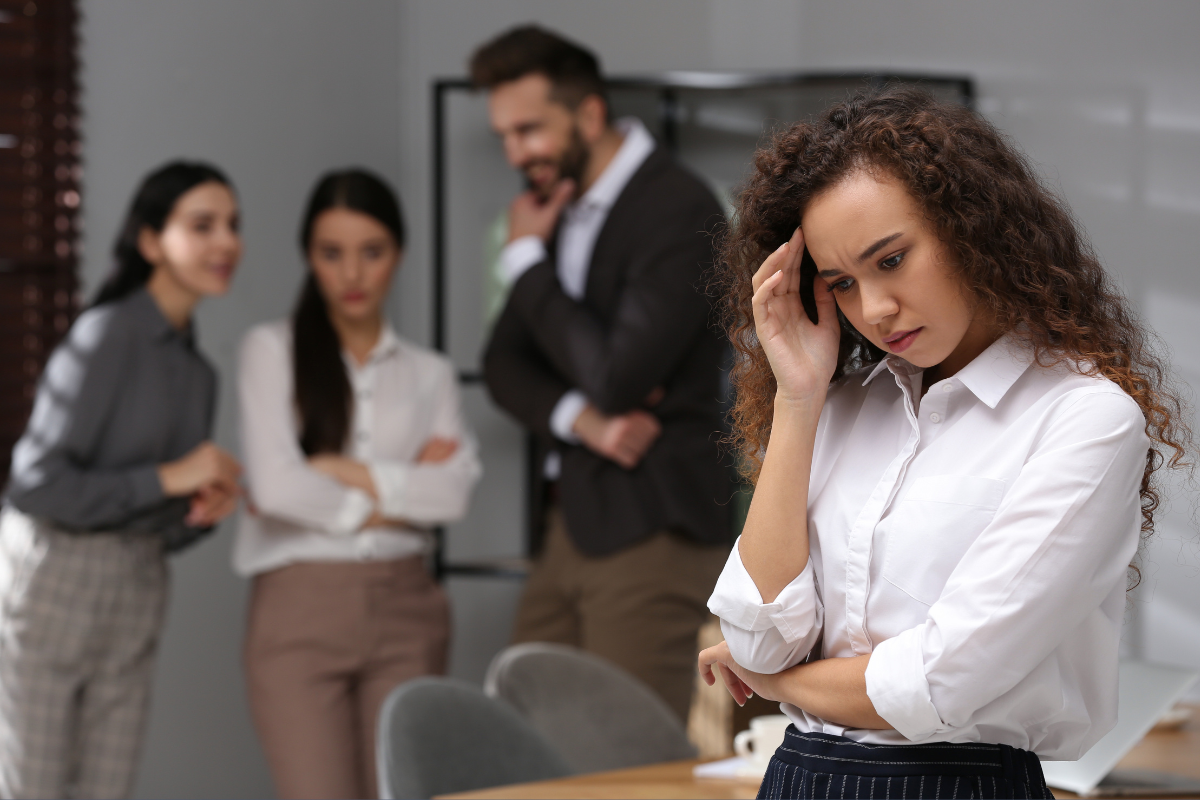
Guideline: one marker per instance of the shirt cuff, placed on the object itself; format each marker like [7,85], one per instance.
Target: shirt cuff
[898,688]
[391,486]
[566,411]
[519,255]
[357,506]
[794,612]
[147,487]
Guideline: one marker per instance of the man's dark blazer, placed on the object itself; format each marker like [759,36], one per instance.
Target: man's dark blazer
[644,322]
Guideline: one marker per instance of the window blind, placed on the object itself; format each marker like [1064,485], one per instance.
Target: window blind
[39,198]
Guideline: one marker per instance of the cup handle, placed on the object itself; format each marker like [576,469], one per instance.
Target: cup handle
[741,744]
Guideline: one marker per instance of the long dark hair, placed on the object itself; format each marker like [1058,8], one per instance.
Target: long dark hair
[322,386]
[1016,245]
[151,206]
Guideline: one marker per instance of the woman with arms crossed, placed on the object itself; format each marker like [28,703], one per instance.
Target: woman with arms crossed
[954,461]
[114,469]
[354,446]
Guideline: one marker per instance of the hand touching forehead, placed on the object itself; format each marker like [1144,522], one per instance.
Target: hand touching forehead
[892,277]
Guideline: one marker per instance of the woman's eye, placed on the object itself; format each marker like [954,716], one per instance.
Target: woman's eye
[892,262]
[842,286]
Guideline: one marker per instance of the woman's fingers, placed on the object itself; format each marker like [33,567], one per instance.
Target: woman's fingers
[826,304]
[771,264]
[766,289]
[734,685]
[706,673]
[795,258]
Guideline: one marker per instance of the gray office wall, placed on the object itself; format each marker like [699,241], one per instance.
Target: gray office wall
[1102,96]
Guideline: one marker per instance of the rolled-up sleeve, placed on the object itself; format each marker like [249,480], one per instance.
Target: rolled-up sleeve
[767,637]
[432,493]
[1062,539]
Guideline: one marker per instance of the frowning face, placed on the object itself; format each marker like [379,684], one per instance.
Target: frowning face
[892,277]
[353,256]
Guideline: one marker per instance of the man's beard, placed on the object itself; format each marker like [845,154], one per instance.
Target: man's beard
[571,164]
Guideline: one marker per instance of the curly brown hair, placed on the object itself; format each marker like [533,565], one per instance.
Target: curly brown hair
[1015,244]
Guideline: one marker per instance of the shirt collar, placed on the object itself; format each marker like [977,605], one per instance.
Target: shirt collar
[989,376]
[633,152]
[995,370]
[387,346]
[151,319]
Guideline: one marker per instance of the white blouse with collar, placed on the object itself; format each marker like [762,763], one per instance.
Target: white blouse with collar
[975,542]
[403,396]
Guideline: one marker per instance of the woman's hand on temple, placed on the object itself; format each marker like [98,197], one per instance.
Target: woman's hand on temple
[802,355]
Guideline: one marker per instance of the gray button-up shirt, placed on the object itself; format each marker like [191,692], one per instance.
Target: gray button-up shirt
[123,393]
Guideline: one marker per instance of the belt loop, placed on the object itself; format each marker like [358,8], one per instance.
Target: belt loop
[1008,763]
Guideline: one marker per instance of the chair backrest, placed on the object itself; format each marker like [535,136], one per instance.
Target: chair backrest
[439,735]
[597,715]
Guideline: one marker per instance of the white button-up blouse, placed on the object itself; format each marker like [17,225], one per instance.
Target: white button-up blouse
[975,541]
[403,396]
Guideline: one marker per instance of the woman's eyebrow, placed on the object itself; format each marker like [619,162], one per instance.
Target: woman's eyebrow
[870,251]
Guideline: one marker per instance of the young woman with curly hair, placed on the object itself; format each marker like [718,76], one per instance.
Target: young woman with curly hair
[954,423]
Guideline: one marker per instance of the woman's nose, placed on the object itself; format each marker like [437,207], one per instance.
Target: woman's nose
[877,305]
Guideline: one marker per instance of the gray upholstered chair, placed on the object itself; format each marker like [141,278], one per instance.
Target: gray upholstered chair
[439,735]
[596,715]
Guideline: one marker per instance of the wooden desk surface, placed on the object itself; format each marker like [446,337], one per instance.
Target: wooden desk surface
[669,780]
[1164,751]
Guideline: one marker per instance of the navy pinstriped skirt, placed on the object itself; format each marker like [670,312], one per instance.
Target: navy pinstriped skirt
[812,765]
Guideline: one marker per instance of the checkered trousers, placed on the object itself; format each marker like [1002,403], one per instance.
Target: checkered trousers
[80,616]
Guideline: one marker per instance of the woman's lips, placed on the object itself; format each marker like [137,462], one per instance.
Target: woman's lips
[901,341]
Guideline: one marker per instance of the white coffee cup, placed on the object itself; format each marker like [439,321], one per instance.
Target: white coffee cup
[761,741]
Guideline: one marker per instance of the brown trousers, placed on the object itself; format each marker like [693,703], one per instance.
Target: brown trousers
[641,607]
[326,642]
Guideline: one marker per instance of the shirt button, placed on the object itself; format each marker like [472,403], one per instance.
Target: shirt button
[935,417]
[947,387]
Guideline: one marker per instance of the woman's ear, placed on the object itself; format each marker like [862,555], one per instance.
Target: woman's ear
[149,245]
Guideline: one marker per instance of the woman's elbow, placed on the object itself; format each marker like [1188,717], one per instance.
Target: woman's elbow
[270,499]
[765,652]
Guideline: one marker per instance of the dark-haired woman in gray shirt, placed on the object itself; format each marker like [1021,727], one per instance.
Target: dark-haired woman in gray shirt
[114,470]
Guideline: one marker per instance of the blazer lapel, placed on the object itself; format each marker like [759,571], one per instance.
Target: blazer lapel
[606,271]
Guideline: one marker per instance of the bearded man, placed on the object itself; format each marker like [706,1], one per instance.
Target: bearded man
[606,351]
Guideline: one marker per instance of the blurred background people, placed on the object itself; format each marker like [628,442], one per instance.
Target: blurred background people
[604,350]
[114,470]
[354,446]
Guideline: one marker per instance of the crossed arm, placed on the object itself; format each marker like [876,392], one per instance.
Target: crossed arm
[834,689]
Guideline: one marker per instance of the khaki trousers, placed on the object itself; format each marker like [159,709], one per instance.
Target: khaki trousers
[641,607]
[325,644]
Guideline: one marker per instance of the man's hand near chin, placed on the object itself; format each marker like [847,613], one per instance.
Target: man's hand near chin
[624,438]
[530,214]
